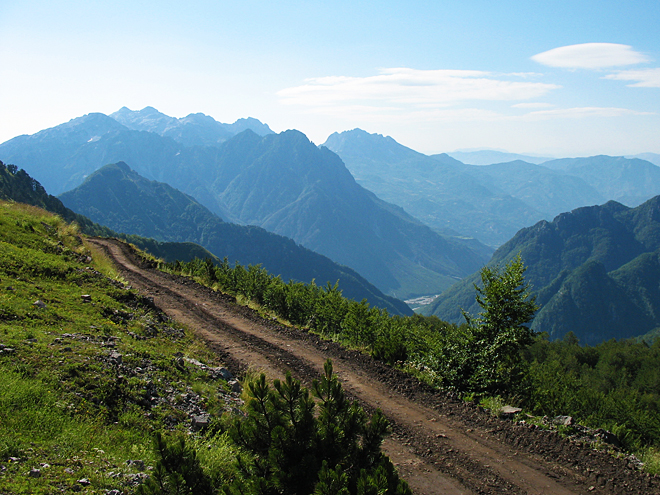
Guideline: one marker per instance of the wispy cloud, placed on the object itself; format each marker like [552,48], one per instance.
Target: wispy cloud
[532,105]
[414,89]
[590,56]
[412,96]
[365,113]
[646,78]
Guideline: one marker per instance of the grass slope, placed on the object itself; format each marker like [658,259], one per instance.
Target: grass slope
[83,383]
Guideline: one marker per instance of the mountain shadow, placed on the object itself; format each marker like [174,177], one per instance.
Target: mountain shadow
[119,197]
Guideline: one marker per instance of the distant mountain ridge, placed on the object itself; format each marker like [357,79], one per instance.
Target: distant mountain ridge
[628,180]
[654,158]
[489,202]
[594,270]
[195,129]
[437,190]
[489,157]
[120,198]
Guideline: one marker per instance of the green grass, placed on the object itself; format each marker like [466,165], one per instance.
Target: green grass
[65,409]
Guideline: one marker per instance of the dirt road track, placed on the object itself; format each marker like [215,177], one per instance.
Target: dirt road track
[439,444]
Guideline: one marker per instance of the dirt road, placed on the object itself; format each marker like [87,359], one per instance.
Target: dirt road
[439,444]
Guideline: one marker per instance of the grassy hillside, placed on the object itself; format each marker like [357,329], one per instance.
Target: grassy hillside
[88,366]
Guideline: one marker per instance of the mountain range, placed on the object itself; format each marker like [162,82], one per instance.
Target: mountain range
[281,182]
[490,203]
[411,224]
[490,157]
[594,270]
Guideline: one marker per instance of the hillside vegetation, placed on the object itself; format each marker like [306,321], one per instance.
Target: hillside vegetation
[594,270]
[93,374]
[72,370]
[88,365]
[492,359]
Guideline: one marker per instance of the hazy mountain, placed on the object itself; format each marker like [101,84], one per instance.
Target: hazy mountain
[548,191]
[439,191]
[45,155]
[196,129]
[629,181]
[282,183]
[120,198]
[488,157]
[61,157]
[287,185]
[654,158]
[489,202]
[595,271]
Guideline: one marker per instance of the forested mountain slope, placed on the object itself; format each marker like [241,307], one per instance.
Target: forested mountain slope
[594,270]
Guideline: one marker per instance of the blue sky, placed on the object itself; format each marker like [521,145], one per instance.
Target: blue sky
[548,77]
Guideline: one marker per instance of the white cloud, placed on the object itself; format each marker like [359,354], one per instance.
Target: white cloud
[413,89]
[646,78]
[532,105]
[409,96]
[590,56]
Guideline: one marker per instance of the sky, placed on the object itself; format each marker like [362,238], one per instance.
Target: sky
[553,77]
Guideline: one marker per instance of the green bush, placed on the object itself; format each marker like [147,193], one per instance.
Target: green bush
[177,470]
[292,450]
